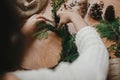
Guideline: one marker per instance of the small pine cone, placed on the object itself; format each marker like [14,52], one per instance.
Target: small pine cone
[109,13]
[96,12]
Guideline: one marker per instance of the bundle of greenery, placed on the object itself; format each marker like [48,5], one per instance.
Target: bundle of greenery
[69,50]
[109,28]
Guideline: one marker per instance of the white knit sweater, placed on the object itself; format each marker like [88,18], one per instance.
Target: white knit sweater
[92,64]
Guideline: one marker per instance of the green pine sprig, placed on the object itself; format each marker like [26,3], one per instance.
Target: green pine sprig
[111,31]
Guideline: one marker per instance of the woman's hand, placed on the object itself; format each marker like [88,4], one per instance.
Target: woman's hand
[31,24]
[64,14]
[67,15]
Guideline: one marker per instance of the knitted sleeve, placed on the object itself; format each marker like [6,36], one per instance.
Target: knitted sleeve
[88,37]
[91,48]
[92,64]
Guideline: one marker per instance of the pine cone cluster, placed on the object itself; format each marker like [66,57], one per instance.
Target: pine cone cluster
[96,11]
[109,13]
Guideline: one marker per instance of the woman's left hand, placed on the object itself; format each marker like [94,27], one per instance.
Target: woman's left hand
[31,24]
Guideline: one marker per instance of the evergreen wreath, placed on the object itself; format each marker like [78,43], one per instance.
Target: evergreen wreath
[69,51]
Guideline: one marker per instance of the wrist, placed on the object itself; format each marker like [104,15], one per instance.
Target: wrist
[78,21]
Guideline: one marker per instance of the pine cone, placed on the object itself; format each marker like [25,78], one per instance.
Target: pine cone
[109,13]
[96,12]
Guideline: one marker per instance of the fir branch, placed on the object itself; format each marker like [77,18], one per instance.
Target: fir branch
[111,31]
[41,34]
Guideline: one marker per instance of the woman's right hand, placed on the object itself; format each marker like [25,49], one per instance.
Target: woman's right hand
[31,25]
[67,15]
[64,14]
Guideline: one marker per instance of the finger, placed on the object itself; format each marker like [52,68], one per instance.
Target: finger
[40,16]
[40,20]
[60,24]
[61,10]
[66,7]
[33,16]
